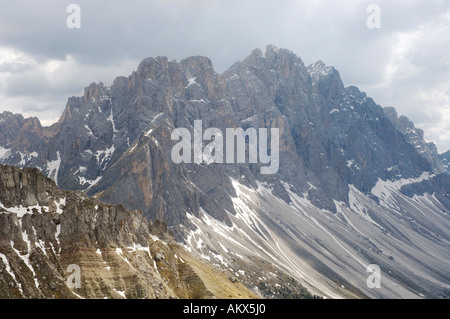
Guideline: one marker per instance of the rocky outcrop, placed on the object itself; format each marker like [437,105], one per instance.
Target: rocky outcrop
[46,233]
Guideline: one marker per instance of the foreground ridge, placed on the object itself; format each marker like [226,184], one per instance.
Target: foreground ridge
[47,233]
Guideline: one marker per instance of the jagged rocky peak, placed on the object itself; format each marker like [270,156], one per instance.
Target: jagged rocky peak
[152,68]
[391,113]
[6,115]
[30,124]
[196,65]
[199,70]
[22,140]
[445,159]
[279,77]
[275,55]
[319,69]
[415,136]
[401,121]
[275,60]
[326,80]
[26,187]
[256,54]
[10,125]
[93,92]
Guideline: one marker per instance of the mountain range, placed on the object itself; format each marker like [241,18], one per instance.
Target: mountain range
[356,185]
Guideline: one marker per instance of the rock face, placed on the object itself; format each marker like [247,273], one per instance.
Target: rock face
[415,137]
[46,231]
[339,201]
[445,158]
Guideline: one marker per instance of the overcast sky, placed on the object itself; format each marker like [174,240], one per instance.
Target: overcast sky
[405,63]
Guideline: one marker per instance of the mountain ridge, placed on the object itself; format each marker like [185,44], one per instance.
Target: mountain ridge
[342,159]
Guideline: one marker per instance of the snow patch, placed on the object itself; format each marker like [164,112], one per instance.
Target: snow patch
[4,153]
[111,119]
[89,130]
[334,111]
[26,257]
[9,270]
[385,190]
[121,292]
[53,168]
[105,155]
[60,204]
[357,206]
[90,182]
[191,81]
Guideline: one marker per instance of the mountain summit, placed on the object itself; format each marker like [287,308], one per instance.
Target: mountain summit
[354,187]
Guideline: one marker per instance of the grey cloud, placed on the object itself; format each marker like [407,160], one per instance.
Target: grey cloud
[226,31]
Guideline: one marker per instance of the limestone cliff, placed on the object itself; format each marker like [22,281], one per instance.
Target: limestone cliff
[45,233]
